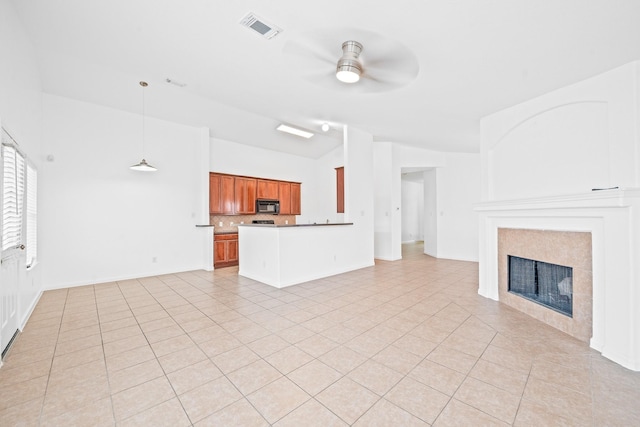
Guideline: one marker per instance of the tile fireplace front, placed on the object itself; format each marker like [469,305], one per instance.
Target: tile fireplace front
[571,250]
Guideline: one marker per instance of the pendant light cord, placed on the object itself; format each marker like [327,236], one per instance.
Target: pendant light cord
[144,85]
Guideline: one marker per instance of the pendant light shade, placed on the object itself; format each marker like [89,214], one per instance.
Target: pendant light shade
[143,166]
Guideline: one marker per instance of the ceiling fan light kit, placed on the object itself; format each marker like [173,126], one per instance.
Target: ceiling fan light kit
[349,68]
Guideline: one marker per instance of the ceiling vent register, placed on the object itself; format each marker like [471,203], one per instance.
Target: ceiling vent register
[266,30]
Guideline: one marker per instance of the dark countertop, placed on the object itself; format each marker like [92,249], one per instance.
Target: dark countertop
[203,225]
[225,232]
[294,225]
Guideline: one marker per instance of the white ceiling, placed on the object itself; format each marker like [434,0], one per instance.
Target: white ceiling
[475,57]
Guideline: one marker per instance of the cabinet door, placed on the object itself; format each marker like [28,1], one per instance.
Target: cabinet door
[245,195]
[220,252]
[232,250]
[340,189]
[215,195]
[284,195]
[296,208]
[227,186]
[267,189]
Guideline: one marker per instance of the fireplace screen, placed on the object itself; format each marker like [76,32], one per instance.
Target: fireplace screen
[547,284]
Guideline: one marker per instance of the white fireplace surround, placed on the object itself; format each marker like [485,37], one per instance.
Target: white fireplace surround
[613,219]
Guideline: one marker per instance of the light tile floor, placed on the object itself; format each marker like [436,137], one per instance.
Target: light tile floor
[405,343]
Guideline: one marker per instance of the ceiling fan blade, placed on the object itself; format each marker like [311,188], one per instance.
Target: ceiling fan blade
[307,50]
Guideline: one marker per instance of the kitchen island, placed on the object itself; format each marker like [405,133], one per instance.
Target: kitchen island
[285,255]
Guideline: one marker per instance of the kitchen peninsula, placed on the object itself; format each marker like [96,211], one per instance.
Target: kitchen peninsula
[285,255]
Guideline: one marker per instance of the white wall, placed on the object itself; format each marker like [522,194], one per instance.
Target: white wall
[322,197]
[412,210]
[458,189]
[358,195]
[431,212]
[383,200]
[103,221]
[21,115]
[569,141]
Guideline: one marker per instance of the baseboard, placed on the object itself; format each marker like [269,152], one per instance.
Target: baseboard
[32,307]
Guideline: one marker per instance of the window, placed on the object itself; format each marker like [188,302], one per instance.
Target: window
[12,195]
[19,202]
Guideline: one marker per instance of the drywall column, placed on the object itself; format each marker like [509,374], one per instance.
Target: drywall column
[383,181]
[204,148]
[358,191]
[431,212]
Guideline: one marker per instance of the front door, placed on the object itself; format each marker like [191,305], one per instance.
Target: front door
[12,256]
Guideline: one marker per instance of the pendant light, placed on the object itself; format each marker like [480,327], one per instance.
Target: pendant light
[143,165]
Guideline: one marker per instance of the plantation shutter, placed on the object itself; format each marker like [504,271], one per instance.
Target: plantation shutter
[13,186]
[32,214]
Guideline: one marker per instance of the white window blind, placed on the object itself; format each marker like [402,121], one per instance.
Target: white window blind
[32,214]
[13,181]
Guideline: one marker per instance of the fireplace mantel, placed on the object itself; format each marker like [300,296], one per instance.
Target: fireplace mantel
[613,219]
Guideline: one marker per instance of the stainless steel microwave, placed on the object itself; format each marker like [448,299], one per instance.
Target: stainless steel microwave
[265,206]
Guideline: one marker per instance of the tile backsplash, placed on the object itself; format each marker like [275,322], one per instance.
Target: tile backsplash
[230,222]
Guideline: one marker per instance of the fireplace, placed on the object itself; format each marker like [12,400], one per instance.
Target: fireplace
[605,294]
[553,277]
[549,285]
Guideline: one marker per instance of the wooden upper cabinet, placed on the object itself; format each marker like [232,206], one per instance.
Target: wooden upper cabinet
[245,195]
[284,195]
[340,189]
[267,189]
[215,197]
[237,195]
[228,185]
[221,194]
[296,208]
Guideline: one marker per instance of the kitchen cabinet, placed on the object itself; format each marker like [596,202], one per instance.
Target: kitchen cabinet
[215,197]
[296,208]
[267,189]
[225,250]
[284,195]
[245,199]
[340,189]
[237,195]
[221,194]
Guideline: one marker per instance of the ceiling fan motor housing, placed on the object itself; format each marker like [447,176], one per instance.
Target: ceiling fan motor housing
[349,61]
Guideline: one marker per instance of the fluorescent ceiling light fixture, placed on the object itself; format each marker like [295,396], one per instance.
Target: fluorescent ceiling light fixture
[294,131]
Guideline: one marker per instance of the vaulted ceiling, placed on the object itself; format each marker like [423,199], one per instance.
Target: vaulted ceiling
[470,58]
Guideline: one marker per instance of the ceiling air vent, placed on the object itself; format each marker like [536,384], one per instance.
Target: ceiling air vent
[261,27]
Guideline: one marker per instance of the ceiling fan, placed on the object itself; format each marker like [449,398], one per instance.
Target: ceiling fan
[370,62]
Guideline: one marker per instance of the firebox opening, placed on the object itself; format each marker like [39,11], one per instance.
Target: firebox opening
[547,284]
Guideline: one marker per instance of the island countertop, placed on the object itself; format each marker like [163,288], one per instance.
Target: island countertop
[293,225]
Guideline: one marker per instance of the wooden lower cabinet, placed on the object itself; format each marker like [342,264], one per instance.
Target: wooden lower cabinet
[225,250]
